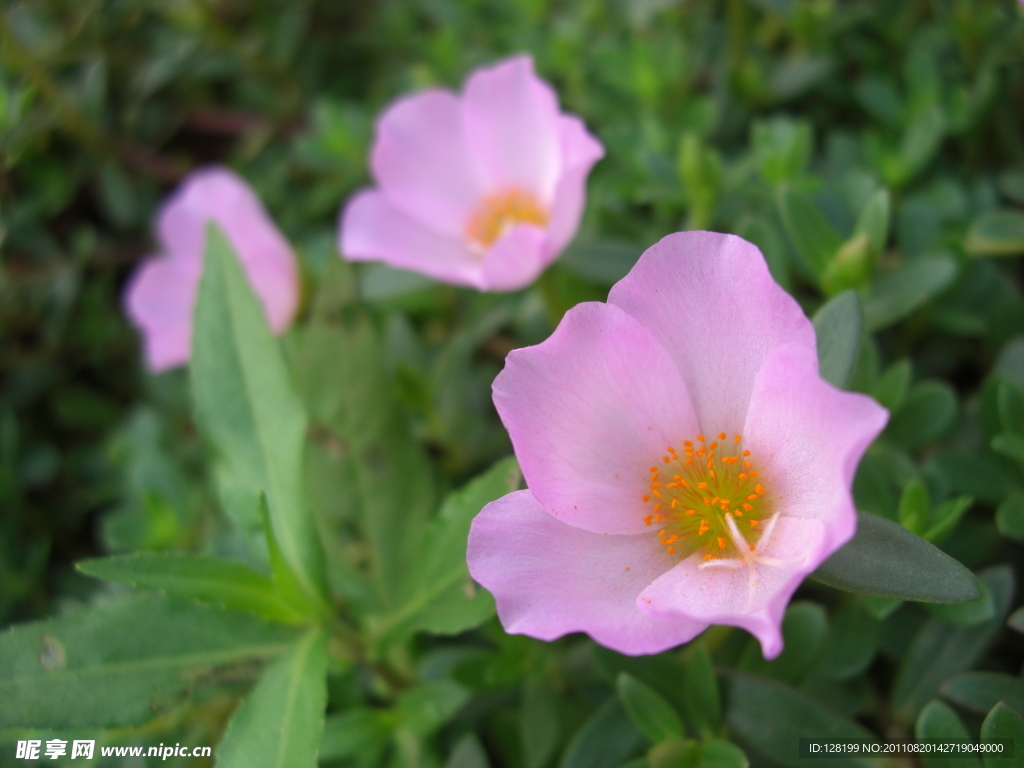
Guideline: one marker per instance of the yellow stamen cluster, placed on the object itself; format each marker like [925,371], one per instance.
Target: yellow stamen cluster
[693,492]
[498,213]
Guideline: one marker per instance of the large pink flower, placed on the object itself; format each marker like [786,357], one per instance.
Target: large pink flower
[483,190]
[686,463]
[161,295]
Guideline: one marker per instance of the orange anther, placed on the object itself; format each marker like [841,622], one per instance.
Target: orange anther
[702,486]
[689,462]
[659,518]
[646,497]
[647,520]
[746,465]
[737,513]
[691,511]
[753,474]
[654,470]
[712,473]
[674,502]
[746,453]
[743,475]
[752,497]
[739,439]
[661,533]
[666,459]
[713,445]
[655,485]
[747,507]
[751,547]
[708,557]
[754,522]
[701,438]
[759,489]
[687,442]
[721,543]
[671,550]
[657,507]
[656,494]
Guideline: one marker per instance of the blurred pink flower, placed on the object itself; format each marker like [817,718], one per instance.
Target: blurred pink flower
[482,190]
[686,463]
[161,295]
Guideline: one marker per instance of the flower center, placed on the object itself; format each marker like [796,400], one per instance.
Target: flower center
[691,494]
[498,213]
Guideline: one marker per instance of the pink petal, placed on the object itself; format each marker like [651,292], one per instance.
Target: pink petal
[159,301]
[511,119]
[373,228]
[580,151]
[710,300]
[808,438]
[422,161]
[589,411]
[515,260]
[716,595]
[550,579]
[219,195]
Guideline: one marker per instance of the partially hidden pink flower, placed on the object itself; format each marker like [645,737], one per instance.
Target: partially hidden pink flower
[482,190]
[161,295]
[686,464]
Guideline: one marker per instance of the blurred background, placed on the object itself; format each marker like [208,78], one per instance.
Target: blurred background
[862,144]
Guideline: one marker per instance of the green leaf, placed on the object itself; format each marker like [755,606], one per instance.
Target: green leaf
[674,753]
[1005,724]
[1010,517]
[895,295]
[341,375]
[838,326]
[603,261]
[468,753]
[439,595]
[940,650]
[980,691]
[226,583]
[945,517]
[927,413]
[424,708]
[718,753]
[887,560]
[996,233]
[120,662]
[813,237]
[771,717]
[891,388]
[605,740]
[701,702]
[804,629]
[357,732]
[539,722]
[1010,404]
[873,219]
[248,409]
[851,643]
[1011,446]
[939,721]
[914,506]
[850,268]
[782,147]
[281,723]
[654,717]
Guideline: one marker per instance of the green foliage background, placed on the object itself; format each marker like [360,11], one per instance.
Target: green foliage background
[874,150]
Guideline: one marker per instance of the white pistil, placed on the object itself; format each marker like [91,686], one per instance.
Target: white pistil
[748,556]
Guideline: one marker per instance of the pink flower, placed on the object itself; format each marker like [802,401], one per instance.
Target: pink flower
[161,295]
[687,465]
[483,190]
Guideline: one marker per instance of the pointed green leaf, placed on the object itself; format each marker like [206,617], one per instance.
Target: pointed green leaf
[281,723]
[980,691]
[814,238]
[468,753]
[439,595]
[1010,404]
[838,326]
[1010,517]
[718,753]
[120,662]
[895,295]
[539,722]
[873,219]
[1008,725]
[226,583]
[771,717]
[605,740]
[945,517]
[428,706]
[928,411]
[654,717]
[940,649]
[891,389]
[887,560]
[914,506]
[248,409]
[356,732]
[939,721]
[701,699]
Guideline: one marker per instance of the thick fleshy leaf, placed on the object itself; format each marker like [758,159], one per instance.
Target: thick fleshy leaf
[654,717]
[838,326]
[605,740]
[226,583]
[701,699]
[1006,725]
[85,671]
[895,295]
[980,691]
[886,559]
[281,723]
[996,233]
[939,721]
[814,238]
[772,718]
[940,649]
